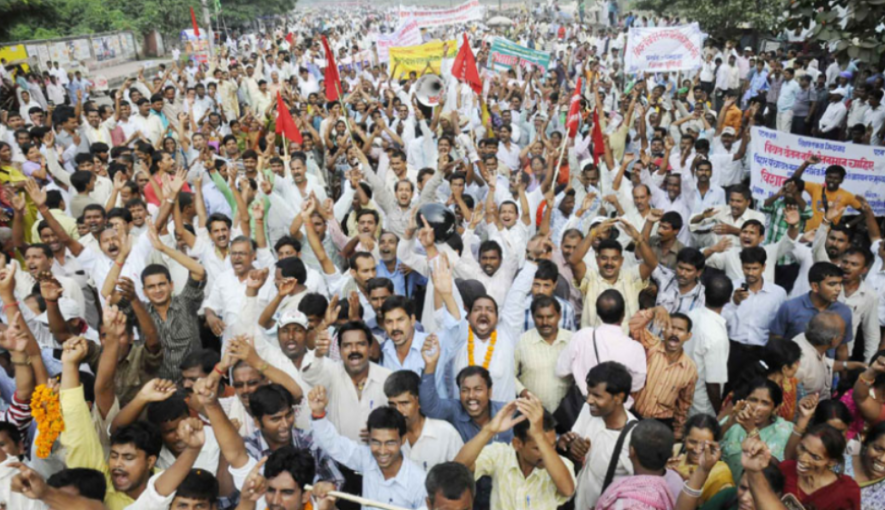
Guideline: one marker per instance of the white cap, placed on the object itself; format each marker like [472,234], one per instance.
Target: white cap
[842,91]
[728,131]
[293,317]
[69,309]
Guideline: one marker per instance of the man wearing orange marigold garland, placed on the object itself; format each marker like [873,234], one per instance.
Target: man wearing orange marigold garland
[481,340]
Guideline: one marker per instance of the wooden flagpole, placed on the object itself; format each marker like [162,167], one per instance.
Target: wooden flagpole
[359,500]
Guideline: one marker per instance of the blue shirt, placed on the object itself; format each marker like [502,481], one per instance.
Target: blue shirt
[405,490]
[793,316]
[414,361]
[403,284]
[451,410]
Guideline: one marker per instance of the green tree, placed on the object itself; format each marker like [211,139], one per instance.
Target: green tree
[721,18]
[852,27]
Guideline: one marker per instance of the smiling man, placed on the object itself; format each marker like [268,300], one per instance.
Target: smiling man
[379,462]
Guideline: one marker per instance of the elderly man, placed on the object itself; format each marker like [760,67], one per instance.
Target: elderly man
[824,332]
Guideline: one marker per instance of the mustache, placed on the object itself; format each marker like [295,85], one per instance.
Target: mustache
[355,356]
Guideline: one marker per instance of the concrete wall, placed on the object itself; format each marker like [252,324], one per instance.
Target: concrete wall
[91,52]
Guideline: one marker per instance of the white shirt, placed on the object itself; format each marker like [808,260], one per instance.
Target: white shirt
[723,215]
[439,442]
[833,116]
[227,297]
[876,280]
[864,304]
[708,348]
[347,411]
[726,170]
[748,323]
[730,260]
[207,458]
[15,500]
[602,446]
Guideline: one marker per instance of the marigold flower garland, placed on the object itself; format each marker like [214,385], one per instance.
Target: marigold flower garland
[489,351]
[46,410]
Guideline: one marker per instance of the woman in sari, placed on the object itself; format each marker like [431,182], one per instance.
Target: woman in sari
[868,469]
[779,362]
[813,478]
[699,429]
[755,414]
[813,412]
[868,396]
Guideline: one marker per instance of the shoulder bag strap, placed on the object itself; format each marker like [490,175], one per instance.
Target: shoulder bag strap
[616,454]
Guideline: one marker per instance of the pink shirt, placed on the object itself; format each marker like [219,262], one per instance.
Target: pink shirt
[613,345]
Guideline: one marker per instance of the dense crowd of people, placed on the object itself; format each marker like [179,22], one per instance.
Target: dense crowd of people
[513,300]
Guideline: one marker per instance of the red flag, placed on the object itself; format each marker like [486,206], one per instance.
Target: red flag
[597,139]
[574,111]
[331,78]
[194,21]
[290,38]
[285,123]
[464,67]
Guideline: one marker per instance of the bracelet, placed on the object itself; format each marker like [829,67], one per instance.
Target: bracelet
[25,362]
[14,304]
[859,378]
[262,368]
[798,433]
[695,493]
[170,201]
[755,433]
[318,417]
[219,372]
[119,264]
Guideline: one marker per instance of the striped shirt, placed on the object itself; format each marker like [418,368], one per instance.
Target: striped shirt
[536,367]
[669,386]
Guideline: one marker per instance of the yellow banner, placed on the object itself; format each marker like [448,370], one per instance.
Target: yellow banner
[416,58]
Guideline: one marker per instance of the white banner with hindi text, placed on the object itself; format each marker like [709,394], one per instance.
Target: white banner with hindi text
[775,155]
[664,49]
[407,34]
[464,13]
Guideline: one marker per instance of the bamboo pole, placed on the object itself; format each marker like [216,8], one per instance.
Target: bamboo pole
[357,499]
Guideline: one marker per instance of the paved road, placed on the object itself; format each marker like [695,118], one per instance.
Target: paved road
[116,75]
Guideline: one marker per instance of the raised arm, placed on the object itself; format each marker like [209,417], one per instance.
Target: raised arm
[232,446]
[38,196]
[196,270]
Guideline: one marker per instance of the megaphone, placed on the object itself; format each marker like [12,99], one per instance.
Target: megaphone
[428,91]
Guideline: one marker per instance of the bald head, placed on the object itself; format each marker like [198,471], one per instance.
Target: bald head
[825,330]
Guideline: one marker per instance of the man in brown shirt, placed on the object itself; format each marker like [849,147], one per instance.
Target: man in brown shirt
[665,245]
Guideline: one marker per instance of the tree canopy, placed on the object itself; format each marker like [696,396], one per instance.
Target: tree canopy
[853,28]
[43,19]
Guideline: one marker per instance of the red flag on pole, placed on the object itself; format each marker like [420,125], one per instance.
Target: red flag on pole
[285,123]
[290,38]
[194,21]
[331,79]
[597,139]
[464,67]
[574,111]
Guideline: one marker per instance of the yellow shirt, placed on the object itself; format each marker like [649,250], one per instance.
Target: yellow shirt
[510,489]
[629,283]
[83,446]
[817,208]
[536,366]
